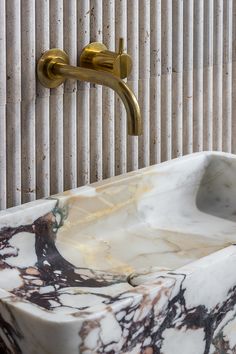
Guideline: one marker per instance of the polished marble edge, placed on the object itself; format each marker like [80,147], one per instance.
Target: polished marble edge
[88,190]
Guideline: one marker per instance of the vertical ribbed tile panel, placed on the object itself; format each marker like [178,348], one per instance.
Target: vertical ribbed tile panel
[155,81]
[83,95]
[69,102]
[234,80]
[177,79]
[208,75]
[120,115]
[144,75]
[198,41]
[184,75]
[133,80]
[13,108]
[95,106]
[227,76]
[28,161]
[3,166]
[166,80]
[217,74]
[188,16]
[108,124]
[56,103]
[42,104]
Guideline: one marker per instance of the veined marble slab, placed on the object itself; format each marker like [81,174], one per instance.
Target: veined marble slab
[140,263]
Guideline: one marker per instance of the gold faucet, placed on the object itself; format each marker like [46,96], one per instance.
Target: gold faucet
[99,66]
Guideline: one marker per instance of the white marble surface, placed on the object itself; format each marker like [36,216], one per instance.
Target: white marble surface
[133,264]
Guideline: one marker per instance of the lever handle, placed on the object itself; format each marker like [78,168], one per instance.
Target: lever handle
[96,56]
[121,45]
[123,63]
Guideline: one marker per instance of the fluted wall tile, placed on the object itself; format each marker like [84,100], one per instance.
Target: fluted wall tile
[3,98]
[42,104]
[13,106]
[184,75]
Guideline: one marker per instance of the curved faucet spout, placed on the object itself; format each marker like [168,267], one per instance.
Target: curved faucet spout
[61,70]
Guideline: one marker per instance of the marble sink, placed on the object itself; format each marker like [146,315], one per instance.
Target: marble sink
[143,263]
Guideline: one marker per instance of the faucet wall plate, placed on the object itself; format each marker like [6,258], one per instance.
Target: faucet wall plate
[45,64]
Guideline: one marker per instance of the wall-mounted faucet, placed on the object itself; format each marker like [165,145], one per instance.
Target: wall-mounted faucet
[99,66]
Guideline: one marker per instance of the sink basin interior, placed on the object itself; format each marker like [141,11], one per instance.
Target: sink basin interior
[155,220]
[217,191]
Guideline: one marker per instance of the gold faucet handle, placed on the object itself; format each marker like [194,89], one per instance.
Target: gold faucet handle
[123,63]
[96,56]
[121,45]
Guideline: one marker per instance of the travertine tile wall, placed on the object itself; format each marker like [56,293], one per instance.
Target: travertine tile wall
[184,74]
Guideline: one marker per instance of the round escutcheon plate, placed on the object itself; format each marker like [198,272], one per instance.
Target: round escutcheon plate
[45,64]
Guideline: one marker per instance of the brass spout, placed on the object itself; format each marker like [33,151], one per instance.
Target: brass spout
[53,69]
[109,80]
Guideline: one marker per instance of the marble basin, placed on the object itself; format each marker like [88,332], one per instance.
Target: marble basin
[140,263]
